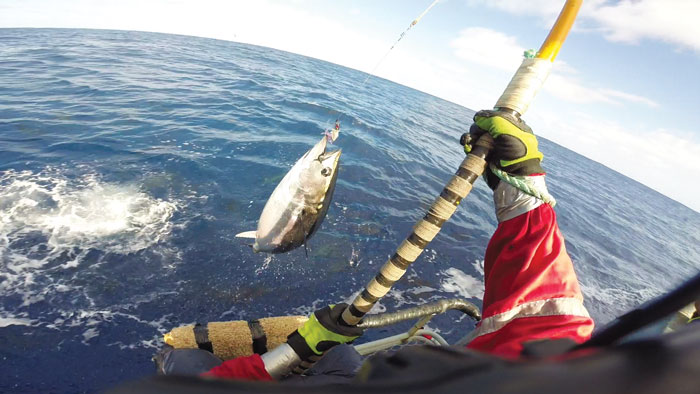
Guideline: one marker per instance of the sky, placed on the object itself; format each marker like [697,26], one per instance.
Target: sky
[624,90]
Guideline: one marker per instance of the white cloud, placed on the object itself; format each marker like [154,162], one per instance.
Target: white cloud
[543,8]
[500,51]
[320,36]
[275,24]
[672,21]
[428,75]
[488,47]
[629,97]
[655,157]
[572,90]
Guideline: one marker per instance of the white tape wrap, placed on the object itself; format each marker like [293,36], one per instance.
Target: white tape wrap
[525,84]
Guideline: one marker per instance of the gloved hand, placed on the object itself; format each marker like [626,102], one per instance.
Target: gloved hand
[515,150]
[322,331]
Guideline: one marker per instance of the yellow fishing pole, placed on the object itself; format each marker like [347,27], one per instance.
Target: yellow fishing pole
[516,98]
[532,73]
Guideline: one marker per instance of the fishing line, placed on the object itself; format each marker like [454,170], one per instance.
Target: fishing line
[381,60]
[415,22]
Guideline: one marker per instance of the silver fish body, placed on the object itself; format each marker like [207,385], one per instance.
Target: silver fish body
[299,203]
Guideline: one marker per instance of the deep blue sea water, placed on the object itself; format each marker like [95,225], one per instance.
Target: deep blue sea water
[129,160]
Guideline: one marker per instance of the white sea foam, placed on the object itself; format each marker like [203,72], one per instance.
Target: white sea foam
[354,259]
[14,321]
[85,213]
[50,223]
[89,334]
[420,290]
[265,265]
[456,281]
[306,310]
[609,302]
[479,267]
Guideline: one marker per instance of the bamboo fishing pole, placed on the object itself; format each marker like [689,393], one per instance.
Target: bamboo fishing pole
[515,99]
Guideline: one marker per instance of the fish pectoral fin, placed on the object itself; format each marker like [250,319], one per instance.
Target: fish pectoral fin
[246,234]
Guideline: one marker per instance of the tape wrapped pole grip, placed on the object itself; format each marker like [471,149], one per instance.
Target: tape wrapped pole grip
[472,167]
[257,334]
[525,84]
[201,336]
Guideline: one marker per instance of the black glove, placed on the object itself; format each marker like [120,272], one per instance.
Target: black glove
[515,151]
[322,331]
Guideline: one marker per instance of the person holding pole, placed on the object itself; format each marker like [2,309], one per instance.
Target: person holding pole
[531,289]
[535,329]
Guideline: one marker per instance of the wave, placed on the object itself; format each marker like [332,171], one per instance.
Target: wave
[51,224]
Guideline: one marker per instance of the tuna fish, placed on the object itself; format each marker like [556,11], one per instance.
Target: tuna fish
[298,204]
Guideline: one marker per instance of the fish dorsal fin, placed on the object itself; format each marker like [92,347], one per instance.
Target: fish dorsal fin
[246,234]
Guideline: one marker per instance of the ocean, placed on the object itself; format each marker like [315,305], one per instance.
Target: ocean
[129,160]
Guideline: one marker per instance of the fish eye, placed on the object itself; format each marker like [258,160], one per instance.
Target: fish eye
[326,171]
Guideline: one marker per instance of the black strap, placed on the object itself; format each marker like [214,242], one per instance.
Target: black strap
[646,314]
[201,336]
[259,338]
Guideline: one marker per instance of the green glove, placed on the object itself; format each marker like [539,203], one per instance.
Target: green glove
[322,331]
[515,150]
